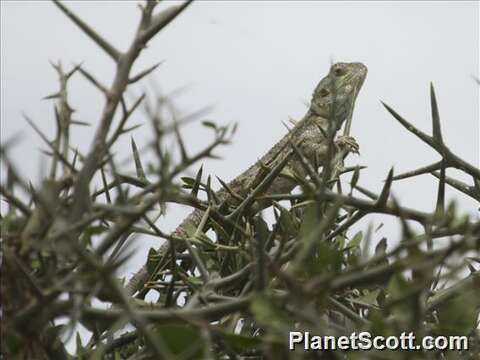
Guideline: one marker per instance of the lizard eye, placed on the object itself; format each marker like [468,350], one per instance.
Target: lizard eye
[324,92]
[339,71]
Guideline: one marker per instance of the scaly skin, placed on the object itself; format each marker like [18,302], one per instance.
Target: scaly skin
[333,98]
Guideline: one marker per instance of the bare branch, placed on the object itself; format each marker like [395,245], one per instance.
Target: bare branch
[162,19]
[99,40]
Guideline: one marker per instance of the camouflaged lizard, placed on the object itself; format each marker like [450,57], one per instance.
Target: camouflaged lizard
[333,98]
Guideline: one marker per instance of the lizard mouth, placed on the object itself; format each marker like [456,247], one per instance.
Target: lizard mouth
[359,74]
[356,77]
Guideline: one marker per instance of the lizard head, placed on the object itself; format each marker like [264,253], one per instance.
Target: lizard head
[335,95]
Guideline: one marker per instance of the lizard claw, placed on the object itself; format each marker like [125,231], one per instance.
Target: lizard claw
[348,143]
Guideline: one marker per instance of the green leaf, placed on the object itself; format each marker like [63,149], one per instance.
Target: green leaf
[91,231]
[450,214]
[181,339]
[339,242]
[188,182]
[405,301]
[138,163]
[222,234]
[195,281]
[356,240]
[397,286]
[328,258]
[458,315]
[310,220]
[355,177]
[79,344]
[209,124]
[381,247]
[242,342]
[380,325]
[152,261]
[369,298]
[261,229]
[318,255]
[197,181]
[267,313]
[288,222]
[460,221]
[211,264]
[190,229]
[13,343]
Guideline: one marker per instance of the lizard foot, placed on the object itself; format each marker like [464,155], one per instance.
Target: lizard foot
[348,143]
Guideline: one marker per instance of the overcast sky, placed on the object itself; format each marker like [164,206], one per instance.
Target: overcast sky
[258,63]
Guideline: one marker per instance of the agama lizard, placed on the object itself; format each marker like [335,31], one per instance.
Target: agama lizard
[332,103]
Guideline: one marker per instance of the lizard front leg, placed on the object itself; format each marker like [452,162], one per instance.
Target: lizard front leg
[348,144]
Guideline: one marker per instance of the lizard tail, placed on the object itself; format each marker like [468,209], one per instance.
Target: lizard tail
[141,276]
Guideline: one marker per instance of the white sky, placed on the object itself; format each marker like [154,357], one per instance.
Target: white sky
[257,63]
